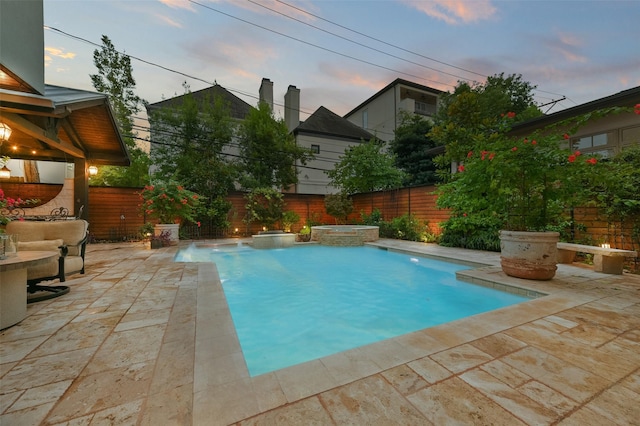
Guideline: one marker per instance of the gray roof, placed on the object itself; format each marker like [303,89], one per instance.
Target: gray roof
[394,83]
[625,98]
[326,123]
[239,109]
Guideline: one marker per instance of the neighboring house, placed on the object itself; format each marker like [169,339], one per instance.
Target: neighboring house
[328,136]
[381,114]
[238,109]
[605,136]
[325,133]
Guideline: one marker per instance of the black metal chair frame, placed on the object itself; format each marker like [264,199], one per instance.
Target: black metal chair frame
[55,291]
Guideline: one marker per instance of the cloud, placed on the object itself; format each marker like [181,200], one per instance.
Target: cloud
[169,21]
[178,4]
[567,46]
[232,50]
[454,11]
[60,53]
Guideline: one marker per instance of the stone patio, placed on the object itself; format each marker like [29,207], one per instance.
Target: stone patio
[143,340]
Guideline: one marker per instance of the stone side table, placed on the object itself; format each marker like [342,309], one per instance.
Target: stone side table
[13,284]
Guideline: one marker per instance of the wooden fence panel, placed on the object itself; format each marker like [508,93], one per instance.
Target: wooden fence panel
[114,213]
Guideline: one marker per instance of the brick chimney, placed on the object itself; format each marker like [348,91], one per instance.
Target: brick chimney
[292,107]
[266,92]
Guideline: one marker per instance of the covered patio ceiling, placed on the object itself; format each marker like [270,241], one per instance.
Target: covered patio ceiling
[62,125]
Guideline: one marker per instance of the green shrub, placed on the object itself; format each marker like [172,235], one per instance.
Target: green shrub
[477,233]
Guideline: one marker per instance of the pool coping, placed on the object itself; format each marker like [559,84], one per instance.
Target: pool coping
[223,386]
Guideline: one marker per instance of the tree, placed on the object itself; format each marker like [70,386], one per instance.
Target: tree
[264,205]
[339,206]
[473,111]
[268,152]
[411,146]
[115,79]
[366,168]
[190,139]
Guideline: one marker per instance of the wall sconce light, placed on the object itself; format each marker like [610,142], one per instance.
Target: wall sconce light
[93,170]
[5,132]
[5,173]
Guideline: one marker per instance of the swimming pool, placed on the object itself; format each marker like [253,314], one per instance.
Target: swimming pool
[302,303]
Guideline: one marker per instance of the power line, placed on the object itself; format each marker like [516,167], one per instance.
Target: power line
[344,55]
[356,42]
[381,41]
[209,83]
[388,44]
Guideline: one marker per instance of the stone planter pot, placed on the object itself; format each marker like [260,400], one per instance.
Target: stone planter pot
[172,228]
[529,255]
[303,238]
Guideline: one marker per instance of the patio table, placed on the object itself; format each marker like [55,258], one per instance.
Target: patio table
[13,284]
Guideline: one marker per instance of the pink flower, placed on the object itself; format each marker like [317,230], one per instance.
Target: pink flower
[592,160]
[533,142]
[571,158]
[577,153]
[515,148]
[511,114]
[470,154]
[198,223]
[636,109]
[461,168]
[566,136]
[493,154]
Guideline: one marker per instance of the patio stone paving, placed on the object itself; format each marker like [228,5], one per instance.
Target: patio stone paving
[142,340]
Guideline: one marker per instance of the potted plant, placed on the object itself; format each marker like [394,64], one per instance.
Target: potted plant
[305,234]
[169,203]
[9,208]
[526,184]
[162,240]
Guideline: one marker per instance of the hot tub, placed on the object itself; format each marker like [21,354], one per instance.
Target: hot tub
[344,235]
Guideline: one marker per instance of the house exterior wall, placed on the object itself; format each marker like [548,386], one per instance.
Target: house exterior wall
[22,41]
[312,179]
[606,136]
[381,114]
[621,130]
[378,116]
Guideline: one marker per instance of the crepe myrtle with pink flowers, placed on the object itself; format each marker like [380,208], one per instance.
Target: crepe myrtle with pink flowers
[523,183]
[169,202]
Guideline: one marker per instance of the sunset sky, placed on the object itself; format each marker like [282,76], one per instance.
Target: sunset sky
[340,52]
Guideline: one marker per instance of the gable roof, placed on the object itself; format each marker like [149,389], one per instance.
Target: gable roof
[625,98]
[238,108]
[63,123]
[396,82]
[326,123]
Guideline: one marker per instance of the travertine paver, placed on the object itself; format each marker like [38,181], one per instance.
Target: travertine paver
[143,340]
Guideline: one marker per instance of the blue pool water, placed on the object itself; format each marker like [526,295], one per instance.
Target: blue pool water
[297,304]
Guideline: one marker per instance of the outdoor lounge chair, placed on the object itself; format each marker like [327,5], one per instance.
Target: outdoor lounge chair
[69,237]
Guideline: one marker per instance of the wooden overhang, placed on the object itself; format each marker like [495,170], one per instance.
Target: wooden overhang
[62,125]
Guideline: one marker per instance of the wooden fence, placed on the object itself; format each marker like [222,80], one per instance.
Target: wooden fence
[114,213]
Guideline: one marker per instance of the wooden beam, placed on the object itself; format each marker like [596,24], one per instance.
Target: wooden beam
[28,128]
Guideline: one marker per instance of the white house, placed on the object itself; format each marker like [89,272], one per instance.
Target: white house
[381,113]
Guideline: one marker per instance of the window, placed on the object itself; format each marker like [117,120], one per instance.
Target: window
[424,108]
[315,149]
[365,119]
[594,144]
[630,136]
